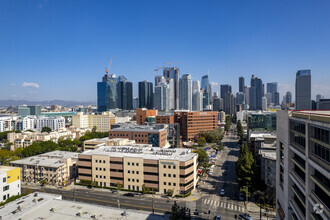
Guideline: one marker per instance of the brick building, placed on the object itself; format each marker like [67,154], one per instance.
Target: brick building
[142,114]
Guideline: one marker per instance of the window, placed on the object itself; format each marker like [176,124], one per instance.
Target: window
[128,171]
[128,163]
[103,177]
[174,175]
[132,171]
[5,188]
[137,172]
[169,183]
[103,169]
[4,179]
[164,183]
[95,161]
[169,175]
[97,176]
[137,180]
[174,167]
[169,167]
[164,166]
[164,174]
[96,168]
[100,161]
[174,184]
[4,197]
[100,176]
[103,161]
[132,164]
[137,164]
[133,180]
[129,179]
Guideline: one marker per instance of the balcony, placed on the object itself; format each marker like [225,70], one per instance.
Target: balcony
[318,182]
[319,201]
[296,177]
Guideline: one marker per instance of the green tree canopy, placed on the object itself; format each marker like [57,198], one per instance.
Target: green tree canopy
[46,129]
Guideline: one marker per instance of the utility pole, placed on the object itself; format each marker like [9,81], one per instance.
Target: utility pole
[153,208]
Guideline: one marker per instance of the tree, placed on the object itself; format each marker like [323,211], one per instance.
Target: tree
[202,155]
[239,127]
[94,128]
[201,141]
[176,213]
[43,182]
[228,122]
[46,129]
[245,168]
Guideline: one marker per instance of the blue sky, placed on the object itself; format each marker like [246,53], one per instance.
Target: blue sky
[53,49]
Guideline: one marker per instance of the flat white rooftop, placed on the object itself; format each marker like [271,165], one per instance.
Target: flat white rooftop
[51,207]
[4,169]
[151,153]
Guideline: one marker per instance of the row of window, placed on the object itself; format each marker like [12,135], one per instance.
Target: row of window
[128,163]
[322,152]
[169,175]
[133,180]
[169,167]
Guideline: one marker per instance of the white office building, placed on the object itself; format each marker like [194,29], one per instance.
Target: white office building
[186,92]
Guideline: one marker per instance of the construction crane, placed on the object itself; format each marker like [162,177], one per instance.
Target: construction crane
[158,69]
[108,70]
[170,63]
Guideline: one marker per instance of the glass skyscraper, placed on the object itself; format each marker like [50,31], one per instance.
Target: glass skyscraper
[107,93]
[146,95]
[303,90]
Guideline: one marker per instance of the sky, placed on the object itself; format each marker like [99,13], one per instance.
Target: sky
[54,49]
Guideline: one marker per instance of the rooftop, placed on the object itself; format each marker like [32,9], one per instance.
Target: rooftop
[269,154]
[151,153]
[50,206]
[142,128]
[4,169]
[50,159]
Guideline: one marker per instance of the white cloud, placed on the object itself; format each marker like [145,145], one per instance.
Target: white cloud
[31,84]
[214,84]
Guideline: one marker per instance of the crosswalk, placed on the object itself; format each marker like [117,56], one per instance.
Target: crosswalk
[221,204]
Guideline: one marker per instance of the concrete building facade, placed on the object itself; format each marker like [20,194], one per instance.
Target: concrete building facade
[10,182]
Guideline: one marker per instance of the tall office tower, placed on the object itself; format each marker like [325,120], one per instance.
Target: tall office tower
[318,97]
[205,83]
[303,90]
[240,97]
[217,104]
[276,98]
[162,101]
[186,92]
[107,93]
[135,102]
[229,103]
[206,99]
[269,98]
[197,101]
[121,78]
[272,88]
[210,93]
[125,94]
[224,89]
[247,96]
[173,73]
[146,94]
[35,109]
[288,97]
[159,79]
[196,86]
[241,84]
[256,94]
[264,103]
[302,165]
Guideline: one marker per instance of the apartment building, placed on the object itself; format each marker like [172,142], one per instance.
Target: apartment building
[102,121]
[192,123]
[163,170]
[156,135]
[56,168]
[8,123]
[302,170]
[142,114]
[10,182]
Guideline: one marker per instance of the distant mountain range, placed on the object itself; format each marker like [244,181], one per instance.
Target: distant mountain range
[6,103]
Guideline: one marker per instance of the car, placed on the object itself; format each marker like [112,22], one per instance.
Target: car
[129,194]
[218,217]
[245,216]
[222,192]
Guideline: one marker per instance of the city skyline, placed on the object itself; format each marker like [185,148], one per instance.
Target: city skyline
[68,46]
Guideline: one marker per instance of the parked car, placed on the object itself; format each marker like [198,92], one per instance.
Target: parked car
[129,194]
[218,217]
[222,192]
[244,216]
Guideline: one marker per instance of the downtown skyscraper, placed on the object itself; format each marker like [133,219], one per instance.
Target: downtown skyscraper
[186,92]
[272,89]
[241,84]
[107,93]
[256,93]
[174,74]
[146,95]
[303,90]
[125,94]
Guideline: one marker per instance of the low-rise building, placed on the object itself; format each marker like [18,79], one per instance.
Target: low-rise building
[99,142]
[163,170]
[142,134]
[192,123]
[102,121]
[10,182]
[142,114]
[56,168]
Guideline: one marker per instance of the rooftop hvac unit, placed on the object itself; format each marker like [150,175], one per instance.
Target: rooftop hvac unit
[52,209]
[79,213]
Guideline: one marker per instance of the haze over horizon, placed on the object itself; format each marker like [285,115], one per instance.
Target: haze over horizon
[59,49]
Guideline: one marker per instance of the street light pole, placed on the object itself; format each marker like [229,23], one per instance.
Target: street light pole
[153,208]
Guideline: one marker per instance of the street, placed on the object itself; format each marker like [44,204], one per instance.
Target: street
[223,177]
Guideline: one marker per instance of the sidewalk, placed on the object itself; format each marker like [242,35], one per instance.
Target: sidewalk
[254,211]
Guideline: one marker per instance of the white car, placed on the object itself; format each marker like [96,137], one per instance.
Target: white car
[222,192]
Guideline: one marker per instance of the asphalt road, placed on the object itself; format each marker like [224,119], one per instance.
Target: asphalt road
[223,177]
